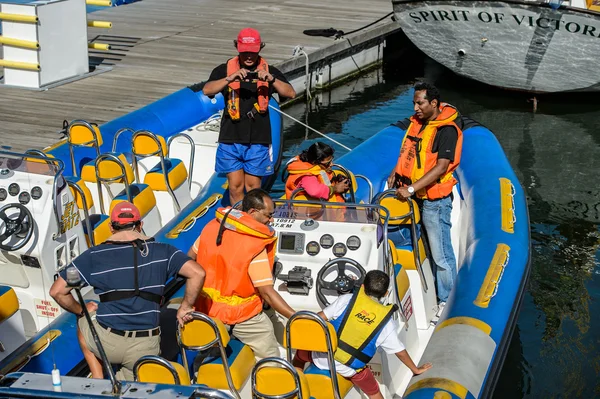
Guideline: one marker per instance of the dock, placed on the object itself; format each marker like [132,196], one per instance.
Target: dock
[161,46]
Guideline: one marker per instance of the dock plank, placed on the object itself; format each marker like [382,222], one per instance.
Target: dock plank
[160,46]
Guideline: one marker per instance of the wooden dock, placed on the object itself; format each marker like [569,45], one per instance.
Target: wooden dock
[161,46]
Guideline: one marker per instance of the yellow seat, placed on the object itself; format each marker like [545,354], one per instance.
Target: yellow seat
[307,331]
[273,378]
[156,370]
[80,135]
[9,304]
[107,169]
[100,226]
[399,211]
[176,172]
[229,370]
[141,195]
[87,194]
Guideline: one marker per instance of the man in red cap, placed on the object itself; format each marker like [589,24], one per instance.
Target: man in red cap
[128,272]
[247,83]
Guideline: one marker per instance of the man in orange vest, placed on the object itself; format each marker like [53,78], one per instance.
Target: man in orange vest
[238,251]
[247,83]
[430,152]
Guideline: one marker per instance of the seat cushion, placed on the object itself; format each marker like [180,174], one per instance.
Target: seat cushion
[275,380]
[100,226]
[89,201]
[108,169]
[319,383]
[158,374]
[176,172]
[240,359]
[142,197]
[9,304]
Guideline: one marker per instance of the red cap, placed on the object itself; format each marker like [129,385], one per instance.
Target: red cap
[248,41]
[118,214]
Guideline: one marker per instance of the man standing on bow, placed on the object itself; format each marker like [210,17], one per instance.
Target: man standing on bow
[247,83]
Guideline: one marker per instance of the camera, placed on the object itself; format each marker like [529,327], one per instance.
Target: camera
[252,75]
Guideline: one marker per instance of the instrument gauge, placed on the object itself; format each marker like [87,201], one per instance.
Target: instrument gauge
[326,241]
[36,193]
[353,243]
[339,249]
[14,189]
[24,198]
[312,248]
[3,194]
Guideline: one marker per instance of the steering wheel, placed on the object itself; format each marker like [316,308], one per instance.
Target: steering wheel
[21,226]
[343,283]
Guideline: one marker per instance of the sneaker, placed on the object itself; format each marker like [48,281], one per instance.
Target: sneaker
[441,307]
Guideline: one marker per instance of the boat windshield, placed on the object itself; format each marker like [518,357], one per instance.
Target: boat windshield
[330,212]
[32,165]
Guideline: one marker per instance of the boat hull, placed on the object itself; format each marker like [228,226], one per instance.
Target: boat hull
[526,46]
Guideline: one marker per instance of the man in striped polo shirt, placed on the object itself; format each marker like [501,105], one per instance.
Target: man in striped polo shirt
[128,272]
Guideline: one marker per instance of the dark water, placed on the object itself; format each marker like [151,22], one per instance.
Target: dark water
[555,351]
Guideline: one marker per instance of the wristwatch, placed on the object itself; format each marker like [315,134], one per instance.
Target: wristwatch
[411,190]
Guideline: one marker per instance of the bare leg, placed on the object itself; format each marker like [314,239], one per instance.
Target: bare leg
[251,182]
[236,186]
[91,359]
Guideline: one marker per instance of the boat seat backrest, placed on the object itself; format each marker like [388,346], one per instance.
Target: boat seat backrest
[399,211]
[142,197]
[87,193]
[100,226]
[145,146]
[156,370]
[309,335]
[176,174]
[108,169]
[235,359]
[80,135]
[273,381]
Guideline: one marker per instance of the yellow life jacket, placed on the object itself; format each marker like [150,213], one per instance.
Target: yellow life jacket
[358,329]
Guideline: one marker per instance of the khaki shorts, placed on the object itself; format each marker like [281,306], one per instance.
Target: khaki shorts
[119,350]
[258,334]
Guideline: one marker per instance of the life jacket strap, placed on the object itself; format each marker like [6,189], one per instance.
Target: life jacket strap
[353,352]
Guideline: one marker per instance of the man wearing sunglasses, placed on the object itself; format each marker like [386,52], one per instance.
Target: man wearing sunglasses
[238,248]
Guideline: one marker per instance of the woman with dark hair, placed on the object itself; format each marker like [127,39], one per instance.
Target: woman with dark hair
[311,171]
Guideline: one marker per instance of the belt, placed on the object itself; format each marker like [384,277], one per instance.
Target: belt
[133,334]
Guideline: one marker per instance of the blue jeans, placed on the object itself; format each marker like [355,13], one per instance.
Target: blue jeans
[436,220]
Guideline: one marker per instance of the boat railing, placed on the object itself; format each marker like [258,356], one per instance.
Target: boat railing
[192,153]
[88,222]
[60,167]
[117,134]
[94,142]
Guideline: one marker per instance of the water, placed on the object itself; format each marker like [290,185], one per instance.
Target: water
[555,351]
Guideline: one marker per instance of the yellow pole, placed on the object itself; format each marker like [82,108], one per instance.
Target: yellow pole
[100,24]
[20,65]
[99,46]
[19,43]
[19,18]
[101,3]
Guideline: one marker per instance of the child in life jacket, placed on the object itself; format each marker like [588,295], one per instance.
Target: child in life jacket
[311,171]
[346,314]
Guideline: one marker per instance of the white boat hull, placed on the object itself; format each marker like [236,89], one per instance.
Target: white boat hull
[515,45]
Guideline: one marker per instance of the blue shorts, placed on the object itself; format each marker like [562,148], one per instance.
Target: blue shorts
[254,159]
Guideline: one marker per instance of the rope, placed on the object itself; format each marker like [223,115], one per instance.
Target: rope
[369,25]
[306,126]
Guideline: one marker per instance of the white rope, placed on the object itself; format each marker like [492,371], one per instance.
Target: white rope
[306,126]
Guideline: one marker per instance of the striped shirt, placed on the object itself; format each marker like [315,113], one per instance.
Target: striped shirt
[110,267]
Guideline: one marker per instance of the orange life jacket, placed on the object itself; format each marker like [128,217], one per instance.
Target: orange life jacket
[228,293]
[416,156]
[297,169]
[233,103]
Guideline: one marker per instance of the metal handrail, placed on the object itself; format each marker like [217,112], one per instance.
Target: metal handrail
[192,153]
[155,360]
[159,152]
[100,180]
[305,314]
[349,176]
[209,393]
[297,392]
[59,172]
[117,134]
[94,141]
[365,178]
[218,340]
[413,231]
[88,222]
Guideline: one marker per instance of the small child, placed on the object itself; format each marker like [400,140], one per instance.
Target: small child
[349,313]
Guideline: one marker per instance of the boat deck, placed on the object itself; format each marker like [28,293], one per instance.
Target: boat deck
[160,46]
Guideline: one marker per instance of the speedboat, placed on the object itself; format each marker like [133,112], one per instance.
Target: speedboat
[323,251]
[518,45]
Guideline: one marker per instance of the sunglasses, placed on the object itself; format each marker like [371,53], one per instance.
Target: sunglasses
[327,164]
[269,215]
